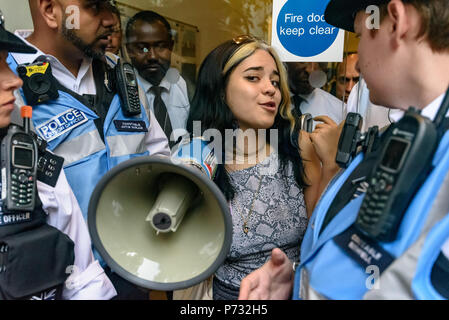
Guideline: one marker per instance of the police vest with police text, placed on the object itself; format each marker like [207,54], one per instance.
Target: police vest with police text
[70,128]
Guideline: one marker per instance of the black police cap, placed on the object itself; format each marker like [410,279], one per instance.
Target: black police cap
[10,42]
[341,13]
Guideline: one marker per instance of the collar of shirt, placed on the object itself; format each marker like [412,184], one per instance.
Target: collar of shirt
[430,111]
[306,97]
[83,83]
[147,85]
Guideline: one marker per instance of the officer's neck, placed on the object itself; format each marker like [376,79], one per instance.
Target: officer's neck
[69,56]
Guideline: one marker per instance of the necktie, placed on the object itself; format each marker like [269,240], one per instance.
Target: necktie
[297,100]
[160,111]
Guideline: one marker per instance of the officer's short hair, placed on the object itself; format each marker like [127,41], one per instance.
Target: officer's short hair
[434,21]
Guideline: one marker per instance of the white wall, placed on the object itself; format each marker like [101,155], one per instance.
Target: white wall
[17,14]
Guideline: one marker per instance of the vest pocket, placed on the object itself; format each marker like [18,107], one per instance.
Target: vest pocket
[34,264]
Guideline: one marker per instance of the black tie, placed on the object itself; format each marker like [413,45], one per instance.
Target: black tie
[160,111]
[297,100]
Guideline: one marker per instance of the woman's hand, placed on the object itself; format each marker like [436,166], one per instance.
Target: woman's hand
[325,140]
[272,281]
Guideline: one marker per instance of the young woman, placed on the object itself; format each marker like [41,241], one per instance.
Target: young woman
[271,185]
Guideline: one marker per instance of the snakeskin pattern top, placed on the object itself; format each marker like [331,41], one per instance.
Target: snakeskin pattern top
[279,219]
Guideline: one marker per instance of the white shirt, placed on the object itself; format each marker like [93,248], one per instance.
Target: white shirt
[87,280]
[174,96]
[432,108]
[322,103]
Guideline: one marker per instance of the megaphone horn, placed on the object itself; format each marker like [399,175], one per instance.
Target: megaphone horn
[160,225]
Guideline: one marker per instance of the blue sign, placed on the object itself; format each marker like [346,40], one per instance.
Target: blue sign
[301,28]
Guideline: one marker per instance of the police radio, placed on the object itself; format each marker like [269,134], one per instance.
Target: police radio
[405,161]
[18,161]
[39,85]
[126,83]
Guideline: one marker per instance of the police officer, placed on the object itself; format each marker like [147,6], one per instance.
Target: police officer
[24,236]
[334,257]
[86,124]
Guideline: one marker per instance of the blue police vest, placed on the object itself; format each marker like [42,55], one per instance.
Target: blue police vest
[424,286]
[326,271]
[68,127]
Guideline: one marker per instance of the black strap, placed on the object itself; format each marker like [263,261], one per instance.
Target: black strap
[445,124]
[440,275]
[104,97]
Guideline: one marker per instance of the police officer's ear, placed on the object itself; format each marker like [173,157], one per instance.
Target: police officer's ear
[400,22]
[47,12]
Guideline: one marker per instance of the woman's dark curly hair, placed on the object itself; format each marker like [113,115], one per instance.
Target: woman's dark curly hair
[209,104]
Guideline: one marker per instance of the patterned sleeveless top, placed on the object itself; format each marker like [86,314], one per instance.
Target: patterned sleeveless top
[278,219]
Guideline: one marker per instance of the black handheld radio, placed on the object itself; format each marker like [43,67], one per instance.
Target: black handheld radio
[127,88]
[18,161]
[405,161]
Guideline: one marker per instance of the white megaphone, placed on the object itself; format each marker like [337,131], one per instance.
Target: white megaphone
[161,223]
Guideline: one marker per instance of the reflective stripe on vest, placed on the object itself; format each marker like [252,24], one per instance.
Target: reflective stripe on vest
[124,145]
[85,145]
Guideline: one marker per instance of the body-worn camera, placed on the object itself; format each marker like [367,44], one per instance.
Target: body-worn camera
[347,145]
[39,85]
